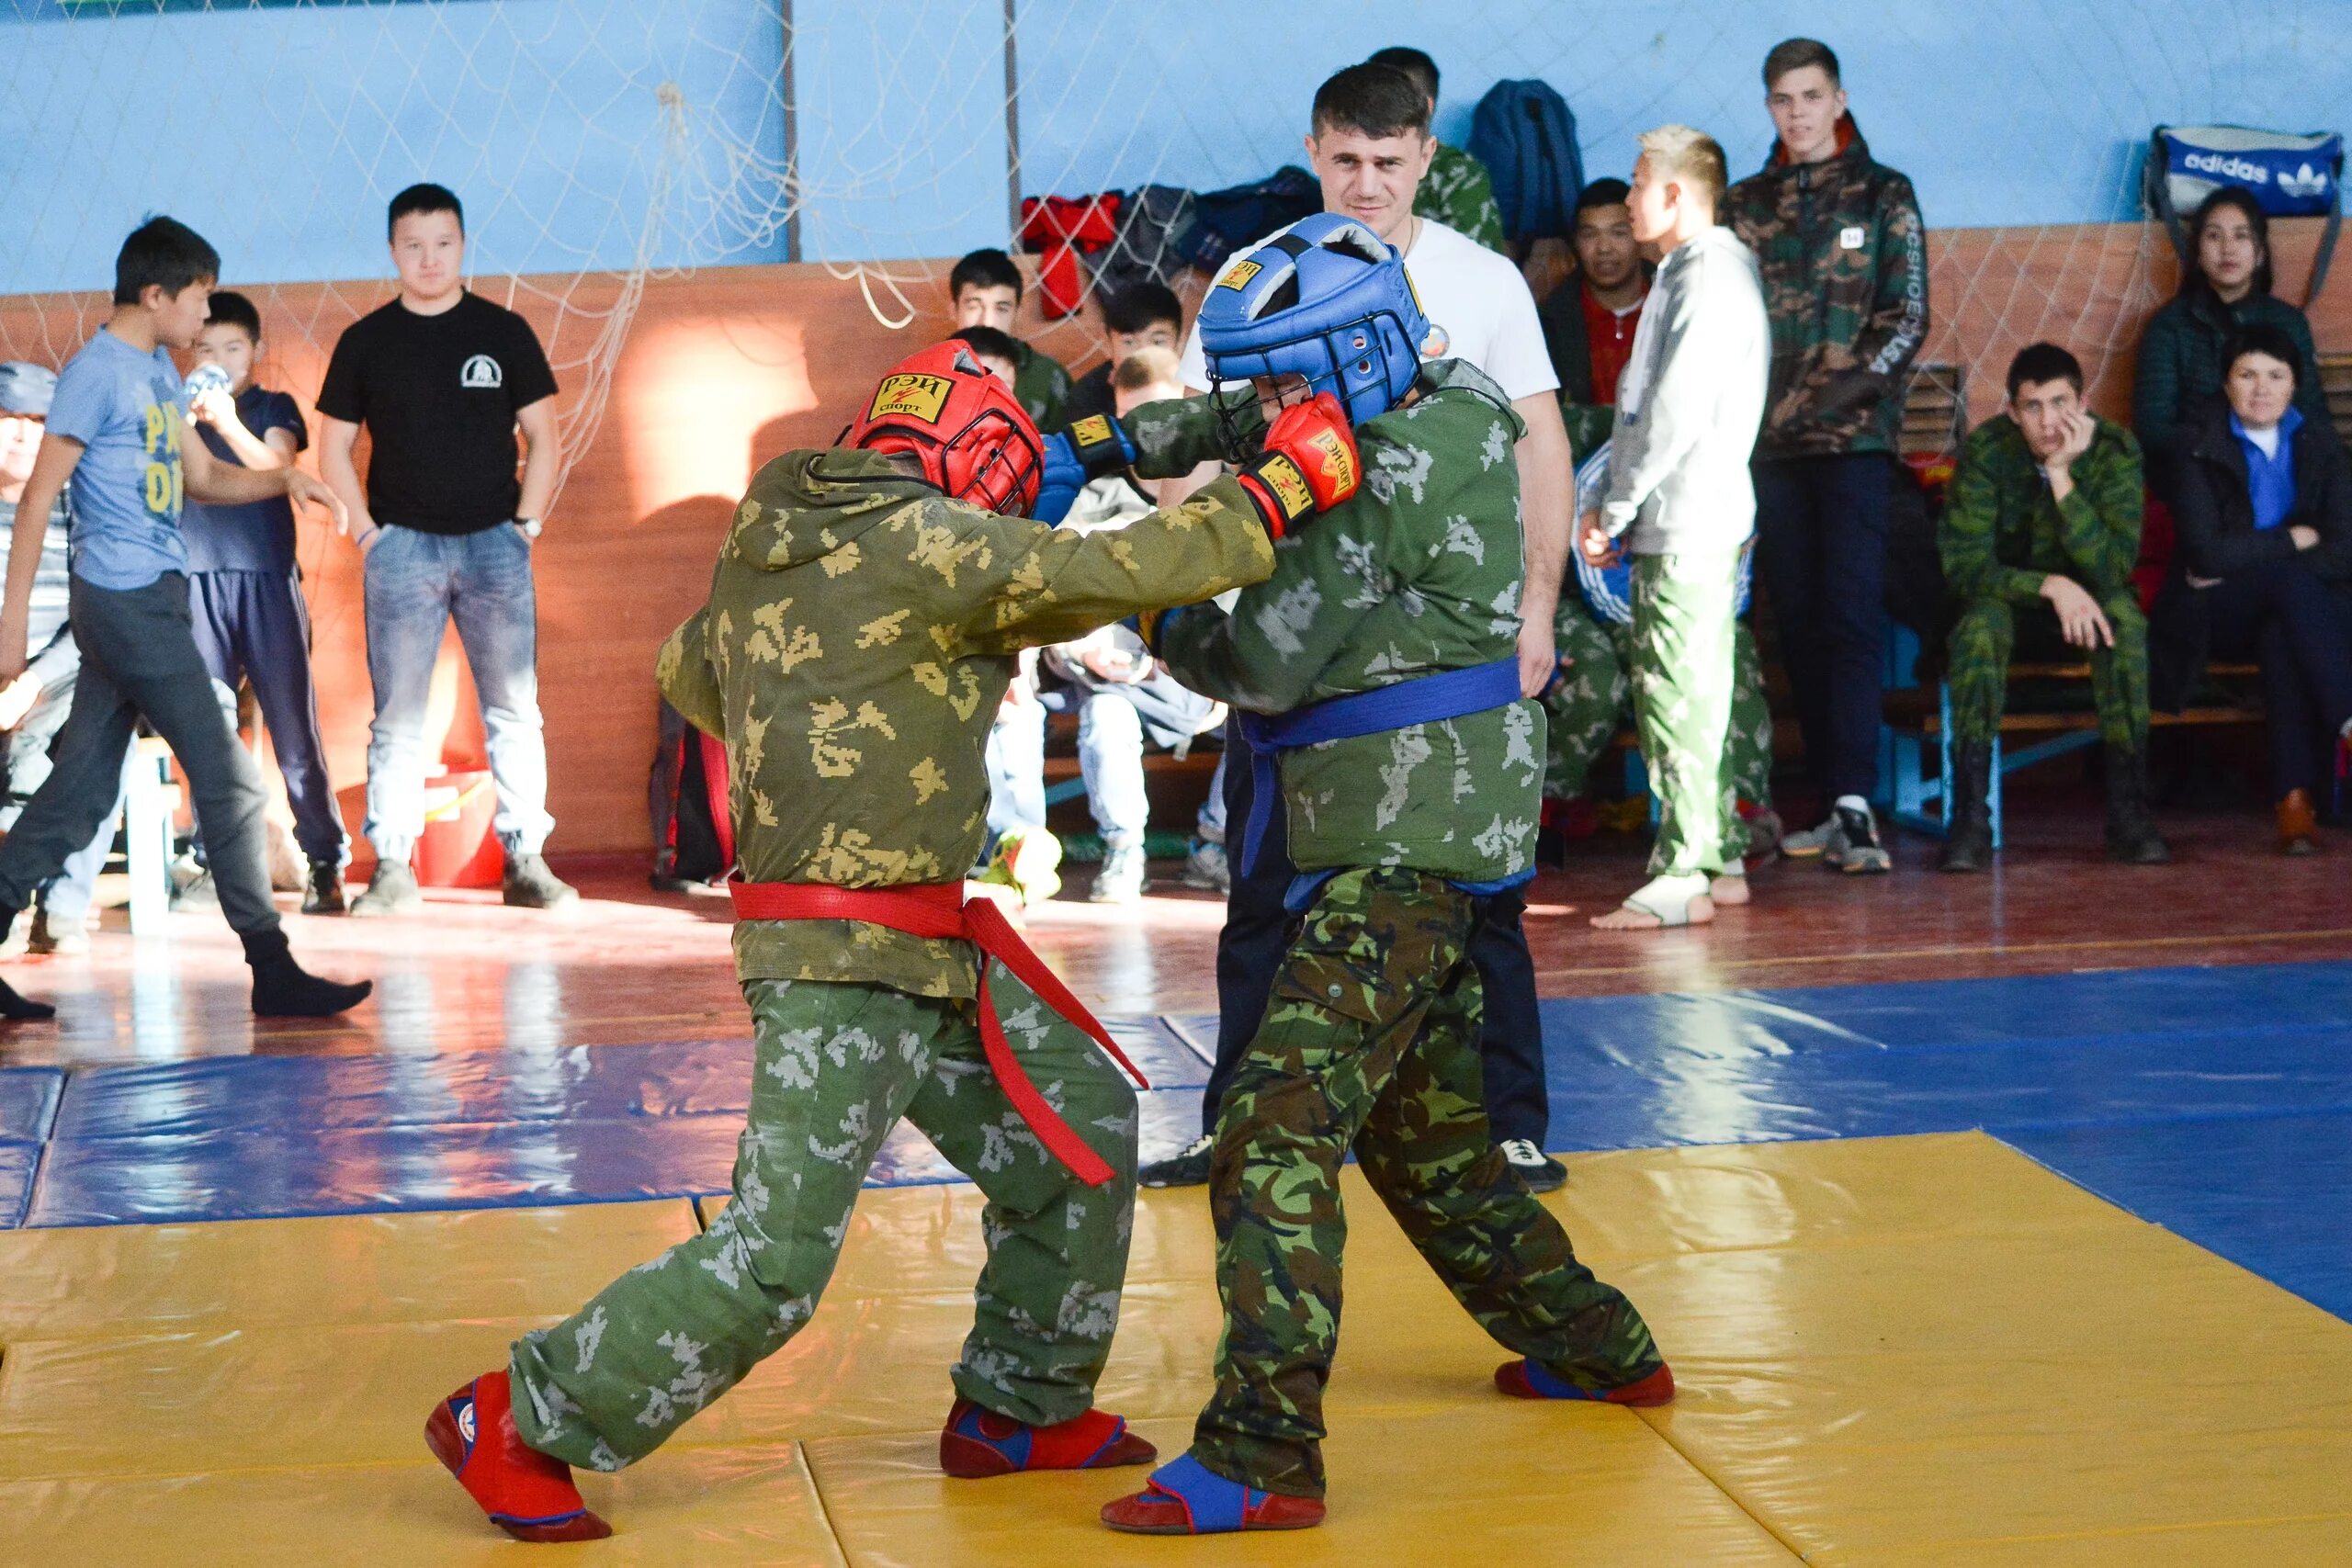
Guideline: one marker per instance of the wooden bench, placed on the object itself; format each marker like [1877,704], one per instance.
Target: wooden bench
[1912,726]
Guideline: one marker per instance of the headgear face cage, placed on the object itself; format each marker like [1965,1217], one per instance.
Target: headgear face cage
[1325,300]
[963,425]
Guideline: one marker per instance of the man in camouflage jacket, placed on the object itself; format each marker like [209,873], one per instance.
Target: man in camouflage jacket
[1370,1042]
[1838,239]
[860,629]
[1458,193]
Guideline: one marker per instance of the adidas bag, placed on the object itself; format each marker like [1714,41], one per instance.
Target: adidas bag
[1525,136]
[2288,176]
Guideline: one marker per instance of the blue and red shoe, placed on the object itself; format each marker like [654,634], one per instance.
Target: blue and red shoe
[1527,1380]
[525,1493]
[1186,1498]
[978,1442]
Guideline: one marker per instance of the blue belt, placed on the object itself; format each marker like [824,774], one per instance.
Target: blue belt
[1450,693]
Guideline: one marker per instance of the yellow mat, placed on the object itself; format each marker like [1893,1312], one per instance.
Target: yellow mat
[1914,1350]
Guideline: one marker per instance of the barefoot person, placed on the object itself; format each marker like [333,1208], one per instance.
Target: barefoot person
[867,608]
[1681,499]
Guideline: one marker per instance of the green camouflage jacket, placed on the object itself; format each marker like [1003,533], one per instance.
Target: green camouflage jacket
[2001,534]
[1042,386]
[860,630]
[1843,255]
[1457,192]
[1419,573]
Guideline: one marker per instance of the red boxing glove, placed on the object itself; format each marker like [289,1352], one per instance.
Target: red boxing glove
[1310,464]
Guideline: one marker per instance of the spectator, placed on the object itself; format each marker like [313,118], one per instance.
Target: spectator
[34,706]
[985,290]
[1589,322]
[2037,543]
[998,352]
[2225,288]
[245,593]
[1682,497]
[1022,853]
[117,430]
[2263,567]
[1455,189]
[1370,146]
[1845,262]
[1120,692]
[442,378]
[1147,316]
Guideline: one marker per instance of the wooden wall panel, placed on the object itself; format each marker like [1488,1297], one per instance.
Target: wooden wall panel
[725,368]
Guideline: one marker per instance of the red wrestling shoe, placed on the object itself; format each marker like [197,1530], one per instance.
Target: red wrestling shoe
[1525,1380]
[525,1493]
[1186,1498]
[978,1442]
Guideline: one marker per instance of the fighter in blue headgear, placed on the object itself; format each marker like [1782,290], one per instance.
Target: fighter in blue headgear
[1325,300]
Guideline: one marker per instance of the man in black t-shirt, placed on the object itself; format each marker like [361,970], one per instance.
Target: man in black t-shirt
[443,378]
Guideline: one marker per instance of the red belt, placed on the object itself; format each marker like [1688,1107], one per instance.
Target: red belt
[938,910]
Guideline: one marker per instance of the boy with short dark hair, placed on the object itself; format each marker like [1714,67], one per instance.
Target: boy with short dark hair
[245,589]
[1146,318]
[118,429]
[985,290]
[2038,543]
[998,352]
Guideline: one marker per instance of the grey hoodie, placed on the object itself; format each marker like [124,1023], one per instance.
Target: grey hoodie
[1691,402]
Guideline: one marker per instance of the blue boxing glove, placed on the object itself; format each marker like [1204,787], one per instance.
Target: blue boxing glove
[1092,447]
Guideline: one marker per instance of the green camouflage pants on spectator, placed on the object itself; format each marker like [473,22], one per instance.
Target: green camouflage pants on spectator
[1371,1043]
[837,1065]
[1684,619]
[1986,635]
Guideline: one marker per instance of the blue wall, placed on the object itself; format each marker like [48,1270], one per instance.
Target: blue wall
[280,130]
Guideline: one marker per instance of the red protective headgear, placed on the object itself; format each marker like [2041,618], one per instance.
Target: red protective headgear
[972,437]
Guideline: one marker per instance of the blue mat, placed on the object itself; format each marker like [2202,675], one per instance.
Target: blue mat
[29,1103]
[2269,1193]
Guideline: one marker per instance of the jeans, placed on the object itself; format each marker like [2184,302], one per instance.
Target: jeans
[1109,758]
[417,584]
[1015,758]
[139,658]
[1821,527]
[1256,936]
[2301,634]
[255,624]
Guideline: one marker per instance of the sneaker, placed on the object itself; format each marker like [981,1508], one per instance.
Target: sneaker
[1207,869]
[531,885]
[393,892]
[64,938]
[1860,853]
[323,895]
[1815,841]
[1539,1170]
[1121,880]
[1188,1168]
[198,892]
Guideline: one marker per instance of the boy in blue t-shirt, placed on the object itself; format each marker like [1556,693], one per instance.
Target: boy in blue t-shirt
[118,432]
[245,594]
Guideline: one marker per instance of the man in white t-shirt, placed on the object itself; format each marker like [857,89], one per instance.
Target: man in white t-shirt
[1370,146]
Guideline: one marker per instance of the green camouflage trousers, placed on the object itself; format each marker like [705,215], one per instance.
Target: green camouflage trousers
[1371,1043]
[1594,697]
[837,1065]
[1986,638]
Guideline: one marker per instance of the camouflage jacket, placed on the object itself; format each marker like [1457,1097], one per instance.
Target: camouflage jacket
[2001,533]
[860,629]
[1457,192]
[1042,386]
[1843,255]
[1419,573]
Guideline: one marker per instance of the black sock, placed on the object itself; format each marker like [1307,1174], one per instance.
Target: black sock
[14,1009]
[283,988]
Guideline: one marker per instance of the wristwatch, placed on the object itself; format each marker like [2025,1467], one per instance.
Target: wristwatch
[530,526]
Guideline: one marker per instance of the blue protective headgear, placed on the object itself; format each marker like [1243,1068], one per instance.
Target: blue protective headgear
[1326,299]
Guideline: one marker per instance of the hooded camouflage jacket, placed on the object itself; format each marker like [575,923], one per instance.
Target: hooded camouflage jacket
[1419,573]
[1843,255]
[860,630]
